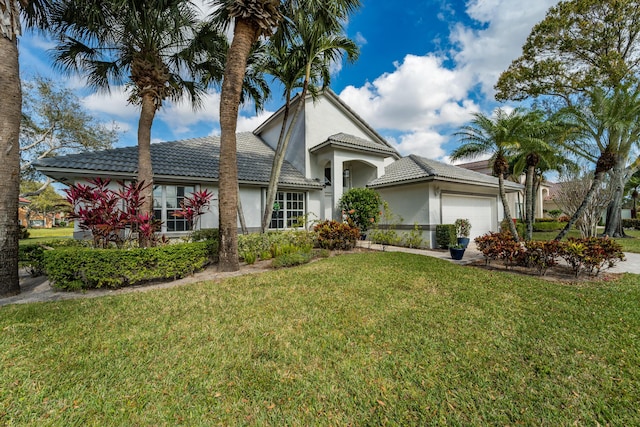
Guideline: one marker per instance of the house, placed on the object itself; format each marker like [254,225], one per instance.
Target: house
[332,150]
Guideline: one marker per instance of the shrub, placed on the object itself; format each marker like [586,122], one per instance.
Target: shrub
[362,206]
[23,233]
[31,258]
[292,258]
[81,268]
[547,225]
[336,235]
[445,235]
[463,227]
[631,223]
[600,253]
[540,255]
[260,243]
[205,234]
[414,238]
[499,246]
[249,257]
[384,231]
[564,218]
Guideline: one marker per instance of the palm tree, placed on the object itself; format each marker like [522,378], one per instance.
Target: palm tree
[251,19]
[306,47]
[147,44]
[35,14]
[495,136]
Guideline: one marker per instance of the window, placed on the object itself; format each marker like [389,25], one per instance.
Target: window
[167,200]
[290,207]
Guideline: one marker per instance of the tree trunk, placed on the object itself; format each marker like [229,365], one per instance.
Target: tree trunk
[10,116]
[529,195]
[243,223]
[506,208]
[244,35]
[272,189]
[597,181]
[145,168]
[613,226]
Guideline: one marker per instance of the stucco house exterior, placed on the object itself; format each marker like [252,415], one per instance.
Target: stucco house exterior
[332,150]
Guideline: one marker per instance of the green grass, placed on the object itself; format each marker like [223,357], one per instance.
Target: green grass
[630,244]
[363,339]
[40,235]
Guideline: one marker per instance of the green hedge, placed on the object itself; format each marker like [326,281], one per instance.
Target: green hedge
[631,223]
[445,235]
[548,226]
[81,268]
[258,243]
[31,257]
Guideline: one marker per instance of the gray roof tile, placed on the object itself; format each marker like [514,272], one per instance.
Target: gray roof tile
[415,168]
[197,158]
[350,141]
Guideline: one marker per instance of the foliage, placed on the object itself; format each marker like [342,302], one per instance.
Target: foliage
[540,255]
[43,199]
[249,257]
[499,246]
[290,259]
[547,225]
[24,232]
[261,243]
[346,335]
[591,254]
[80,268]
[554,213]
[445,235]
[112,216]
[194,205]
[55,123]
[204,234]
[362,206]
[336,235]
[631,223]
[31,257]
[463,227]
[413,239]
[384,231]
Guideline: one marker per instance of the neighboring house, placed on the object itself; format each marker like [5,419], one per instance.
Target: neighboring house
[332,150]
[33,219]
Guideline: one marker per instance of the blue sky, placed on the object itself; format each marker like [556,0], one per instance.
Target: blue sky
[424,68]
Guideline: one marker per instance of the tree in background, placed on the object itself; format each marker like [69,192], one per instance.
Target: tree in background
[55,123]
[32,13]
[44,203]
[148,45]
[583,49]
[305,47]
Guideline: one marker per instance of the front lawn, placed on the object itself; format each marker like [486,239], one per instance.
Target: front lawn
[630,244]
[363,339]
[41,235]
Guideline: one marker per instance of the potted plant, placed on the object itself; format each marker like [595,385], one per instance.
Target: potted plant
[456,251]
[463,228]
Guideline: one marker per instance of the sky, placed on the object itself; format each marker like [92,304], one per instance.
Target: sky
[424,68]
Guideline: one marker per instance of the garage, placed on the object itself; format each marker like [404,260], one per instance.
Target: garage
[480,211]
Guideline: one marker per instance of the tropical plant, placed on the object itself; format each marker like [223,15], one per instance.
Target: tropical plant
[306,46]
[32,13]
[496,136]
[361,206]
[146,44]
[463,227]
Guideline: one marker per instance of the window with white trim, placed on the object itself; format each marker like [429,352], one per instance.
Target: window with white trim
[288,208]
[167,200]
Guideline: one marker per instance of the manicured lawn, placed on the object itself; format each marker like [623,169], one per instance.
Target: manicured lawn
[363,339]
[630,244]
[39,235]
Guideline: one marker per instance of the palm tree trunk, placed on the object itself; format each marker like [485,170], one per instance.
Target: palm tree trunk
[10,115]
[272,189]
[145,168]
[597,181]
[506,208]
[529,200]
[244,35]
[613,226]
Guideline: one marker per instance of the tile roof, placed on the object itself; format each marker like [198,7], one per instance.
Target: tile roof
[196,158]
[354,142]
[415,168]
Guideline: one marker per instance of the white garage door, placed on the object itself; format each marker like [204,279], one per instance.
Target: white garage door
[480,211]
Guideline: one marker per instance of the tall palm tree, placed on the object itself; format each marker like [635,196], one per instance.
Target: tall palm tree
[305,49]
[35,14]
[496,136]
[146,44]
[250,19]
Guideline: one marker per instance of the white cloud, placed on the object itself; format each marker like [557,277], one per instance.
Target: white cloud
[423,143]
[360,39]
[248,124]
[180,117]
[114,104]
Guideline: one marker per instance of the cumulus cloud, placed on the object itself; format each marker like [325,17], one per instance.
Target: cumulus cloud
[180,117]
[114,104]
[247,124]
[427,143]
